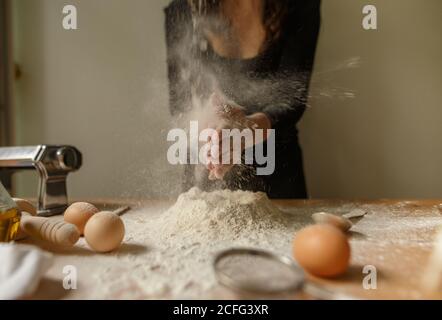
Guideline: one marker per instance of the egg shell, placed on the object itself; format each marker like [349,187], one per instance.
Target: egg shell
[104,232]
[339,222]
[322,250]
[25,206]
[79,213]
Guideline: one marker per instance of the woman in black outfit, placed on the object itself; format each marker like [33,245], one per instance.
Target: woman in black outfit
[259,54]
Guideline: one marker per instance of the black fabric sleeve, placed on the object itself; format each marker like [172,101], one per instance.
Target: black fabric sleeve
[296,64]
[177,26]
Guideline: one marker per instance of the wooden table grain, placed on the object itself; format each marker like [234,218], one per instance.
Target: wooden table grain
[399,258]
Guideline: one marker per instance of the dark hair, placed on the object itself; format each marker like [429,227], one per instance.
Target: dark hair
[274,13]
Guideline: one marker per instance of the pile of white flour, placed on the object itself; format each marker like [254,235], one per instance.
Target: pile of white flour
[221,215]
[183,240]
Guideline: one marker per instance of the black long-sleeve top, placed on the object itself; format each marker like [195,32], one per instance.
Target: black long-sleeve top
[275,82]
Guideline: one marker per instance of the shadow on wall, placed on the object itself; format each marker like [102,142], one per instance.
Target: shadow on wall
[30,88]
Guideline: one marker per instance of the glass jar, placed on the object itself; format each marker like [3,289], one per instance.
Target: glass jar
[9,216]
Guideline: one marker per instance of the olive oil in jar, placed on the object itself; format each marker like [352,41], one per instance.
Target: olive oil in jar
[9,216]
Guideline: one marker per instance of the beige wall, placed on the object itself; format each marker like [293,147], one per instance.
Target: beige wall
[103,88]
[387,142]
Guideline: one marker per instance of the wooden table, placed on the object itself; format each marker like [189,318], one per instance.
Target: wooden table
[397,239]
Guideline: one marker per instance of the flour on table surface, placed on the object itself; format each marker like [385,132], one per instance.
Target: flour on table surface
[168,252]
[183,240]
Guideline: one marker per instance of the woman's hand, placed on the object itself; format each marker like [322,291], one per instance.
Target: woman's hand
[230,116]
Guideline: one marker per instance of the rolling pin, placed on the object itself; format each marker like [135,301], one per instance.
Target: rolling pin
[57,232]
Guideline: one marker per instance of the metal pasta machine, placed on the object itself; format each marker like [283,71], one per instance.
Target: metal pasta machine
[53,164]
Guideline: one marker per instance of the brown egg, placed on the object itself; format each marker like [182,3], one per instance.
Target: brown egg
[322,250]
[104,232]
[79,213]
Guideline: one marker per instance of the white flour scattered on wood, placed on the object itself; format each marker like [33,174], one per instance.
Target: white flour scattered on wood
[184,239]
[152,263]
[168,252]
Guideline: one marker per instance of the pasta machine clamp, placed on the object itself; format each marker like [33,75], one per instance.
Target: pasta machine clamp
[53,163]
